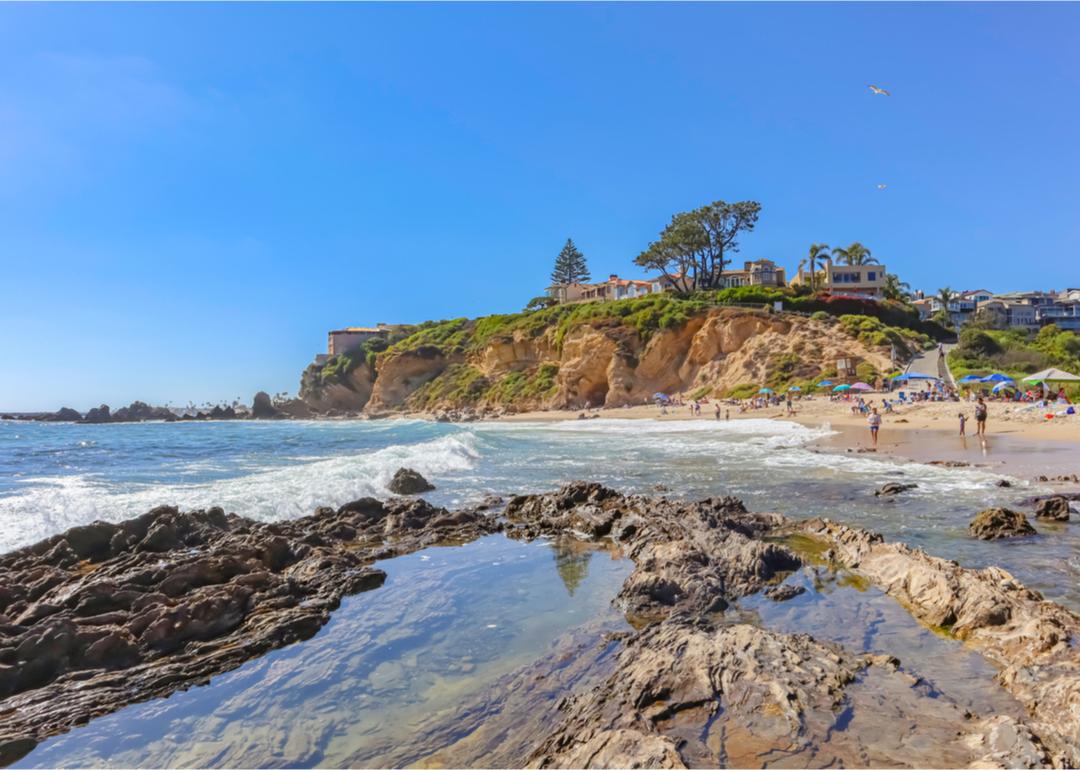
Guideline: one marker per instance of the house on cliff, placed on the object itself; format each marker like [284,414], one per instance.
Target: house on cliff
[606,291]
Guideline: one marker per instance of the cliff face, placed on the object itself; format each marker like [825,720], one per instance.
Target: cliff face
[598,362]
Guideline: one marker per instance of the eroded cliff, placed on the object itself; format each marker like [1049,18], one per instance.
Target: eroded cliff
[600,358]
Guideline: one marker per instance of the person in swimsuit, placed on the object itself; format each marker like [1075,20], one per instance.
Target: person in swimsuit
[874,420]
[980,417]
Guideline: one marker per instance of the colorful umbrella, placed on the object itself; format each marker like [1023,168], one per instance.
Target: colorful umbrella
[997,377]
[969,378]
[1002,386]
[825,384]
[765,390]
[841,387]
[795,387]
[861,386]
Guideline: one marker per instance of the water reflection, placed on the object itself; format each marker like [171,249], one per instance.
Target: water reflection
[384,682]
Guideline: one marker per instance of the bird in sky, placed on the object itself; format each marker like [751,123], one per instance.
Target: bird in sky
[882,186]
[879,91]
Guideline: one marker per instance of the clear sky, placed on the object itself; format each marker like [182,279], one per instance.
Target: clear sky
[192,195]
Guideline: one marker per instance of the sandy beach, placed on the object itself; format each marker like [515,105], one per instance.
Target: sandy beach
[1019,439]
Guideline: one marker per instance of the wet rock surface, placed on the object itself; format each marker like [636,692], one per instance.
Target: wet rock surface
[108,614]
[406,481]
[125,612]
[1053,508]
[998,523]
[894,488]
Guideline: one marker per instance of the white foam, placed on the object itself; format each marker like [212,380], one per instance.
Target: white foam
[54,504]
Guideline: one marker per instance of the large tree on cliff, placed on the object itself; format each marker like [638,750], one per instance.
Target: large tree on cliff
[570,265]
[693,249]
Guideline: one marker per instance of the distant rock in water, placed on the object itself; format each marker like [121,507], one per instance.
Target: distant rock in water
[997,523]
[99,414]
[782,593]
[139,411]
[262,407]
[408,482]
[64,414]
[1054,508]
[894,488]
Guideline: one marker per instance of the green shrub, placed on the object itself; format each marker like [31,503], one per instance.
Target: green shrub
[746,390]
[820,315]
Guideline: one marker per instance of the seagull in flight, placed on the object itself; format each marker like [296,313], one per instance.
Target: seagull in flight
[879,91]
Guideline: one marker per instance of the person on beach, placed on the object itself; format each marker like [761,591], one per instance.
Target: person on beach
[980,417]
[717,410]
[963,422]
[874,420]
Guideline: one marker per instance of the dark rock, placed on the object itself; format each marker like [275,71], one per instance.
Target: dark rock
[997,523]
[1004,483]
[1054,508]
[262,407]
[950,463]
[138,411]
[785,591]
[64,414]
[894,488]
[406,481]
[98,414]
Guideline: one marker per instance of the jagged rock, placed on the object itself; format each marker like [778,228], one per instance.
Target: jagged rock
[894,488]
[785,591]
[1054,508]
[950,463]
[997,523]
[98,414]
[139,411]
[406,481]
[1067,478]
[175,597]
[1005,483]
[262,407]
[64,414]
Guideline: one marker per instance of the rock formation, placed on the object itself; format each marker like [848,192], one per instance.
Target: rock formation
[1055,508]
[997,523]
[594,363]
[262,407]
[894,488]
[406,481]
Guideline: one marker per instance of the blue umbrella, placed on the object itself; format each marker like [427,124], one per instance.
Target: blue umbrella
[765,390]
[970,378]
[795,387]
[841,387]
[1002,386]
[825,384]
[661,396]
[997,377]
[916,376]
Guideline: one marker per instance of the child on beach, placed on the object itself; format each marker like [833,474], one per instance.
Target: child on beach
[963,421]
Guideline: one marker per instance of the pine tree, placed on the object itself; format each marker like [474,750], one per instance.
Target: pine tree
[570,265]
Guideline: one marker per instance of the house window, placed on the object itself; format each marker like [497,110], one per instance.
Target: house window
[871,275]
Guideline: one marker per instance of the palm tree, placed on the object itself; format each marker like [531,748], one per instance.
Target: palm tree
[855,254]
[818,251]
[895,288]
[945,296]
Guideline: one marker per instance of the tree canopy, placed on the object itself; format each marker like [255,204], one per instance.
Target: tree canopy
[570,266]
[855,254]
[693,249]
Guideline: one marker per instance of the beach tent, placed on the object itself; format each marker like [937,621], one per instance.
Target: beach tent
[765,390]
[825,384]
[915,376]
[1052,375]
[998,377]
[861,386]
[838,388]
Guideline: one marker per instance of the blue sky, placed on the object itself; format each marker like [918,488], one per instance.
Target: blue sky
[191,195]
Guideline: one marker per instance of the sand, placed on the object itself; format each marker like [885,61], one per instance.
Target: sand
[1019,441]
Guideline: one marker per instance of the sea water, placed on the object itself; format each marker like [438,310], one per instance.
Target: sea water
[54,476]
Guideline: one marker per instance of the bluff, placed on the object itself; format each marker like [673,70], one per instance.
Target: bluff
[600,354]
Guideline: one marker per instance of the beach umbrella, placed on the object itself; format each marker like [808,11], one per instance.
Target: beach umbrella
[765,390]
[660,397]
[1052,375]
[1002,386]
[997,377]
[841,387]
[861,386]
[795,387]
[825,384]
[969,378]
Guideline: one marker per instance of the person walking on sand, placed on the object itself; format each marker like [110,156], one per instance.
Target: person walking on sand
[874,420]
[980,417]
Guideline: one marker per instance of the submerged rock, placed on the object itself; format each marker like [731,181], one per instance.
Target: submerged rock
[782,593]
[406,481]
[1054,508]
[894,488]
[997,523]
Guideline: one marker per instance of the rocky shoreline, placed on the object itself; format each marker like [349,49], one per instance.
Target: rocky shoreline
[109,614]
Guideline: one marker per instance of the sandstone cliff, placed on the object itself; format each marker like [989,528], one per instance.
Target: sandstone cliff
[599,360]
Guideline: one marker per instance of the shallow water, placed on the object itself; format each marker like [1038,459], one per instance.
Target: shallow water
[384,683]
[54,476]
